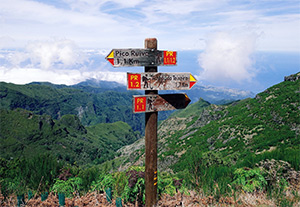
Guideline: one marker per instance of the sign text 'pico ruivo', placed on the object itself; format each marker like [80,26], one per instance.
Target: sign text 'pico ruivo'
[141,57]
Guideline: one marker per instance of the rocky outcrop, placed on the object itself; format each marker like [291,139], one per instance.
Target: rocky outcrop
[208,115]
[292,78]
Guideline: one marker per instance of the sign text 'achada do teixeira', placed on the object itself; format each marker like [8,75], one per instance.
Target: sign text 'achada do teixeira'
[155,102]
[141,57]
[160,81]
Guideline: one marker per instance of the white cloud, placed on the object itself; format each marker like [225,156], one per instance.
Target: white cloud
[179,7]
[32,12]
[48,54]
[94,6]
[227,57]
[6,42]
[281,33]
[60,52]
[57,61]
[119,23]
[68,77]
[30,20]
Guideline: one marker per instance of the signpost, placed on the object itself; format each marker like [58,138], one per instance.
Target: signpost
[154,103]
[141,57]
[160,81]
[151,140]
[151,81]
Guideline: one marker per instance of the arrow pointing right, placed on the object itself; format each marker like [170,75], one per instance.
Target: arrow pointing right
[160,81]
[192,81]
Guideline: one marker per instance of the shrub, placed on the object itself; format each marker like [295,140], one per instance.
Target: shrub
[68,187]
[249,179]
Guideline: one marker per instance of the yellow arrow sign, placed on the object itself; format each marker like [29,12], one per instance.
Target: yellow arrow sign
[192,80]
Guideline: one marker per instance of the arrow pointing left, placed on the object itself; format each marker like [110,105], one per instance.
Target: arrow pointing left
[141,57]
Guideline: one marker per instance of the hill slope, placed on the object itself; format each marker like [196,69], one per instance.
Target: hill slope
[240,134]
[23,133]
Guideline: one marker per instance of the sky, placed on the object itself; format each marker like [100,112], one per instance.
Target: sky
[60,41]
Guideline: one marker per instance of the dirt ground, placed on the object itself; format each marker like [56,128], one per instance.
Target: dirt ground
[94,199]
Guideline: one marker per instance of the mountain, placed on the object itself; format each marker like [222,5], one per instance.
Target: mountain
[91,85]
[25,134]
[218,95]
[215,95]
[82,123]
[92,105]
[212,94]
[206,137]
[101,84]
[95,101]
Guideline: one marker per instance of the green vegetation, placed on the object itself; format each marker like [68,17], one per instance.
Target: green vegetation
[21,176]
[25,134]
[248,179]
[222,146]
[250,146]
[67,187]
[223,149]
[130,185]
[92,105]
[35,173]
[191,109]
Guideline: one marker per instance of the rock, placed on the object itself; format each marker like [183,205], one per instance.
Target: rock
[293,77]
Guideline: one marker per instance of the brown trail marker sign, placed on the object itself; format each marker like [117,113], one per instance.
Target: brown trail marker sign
[141,57]
[160,81]
[151,102]
[165,102]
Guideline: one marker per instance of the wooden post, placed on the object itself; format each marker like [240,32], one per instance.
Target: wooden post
[151,141]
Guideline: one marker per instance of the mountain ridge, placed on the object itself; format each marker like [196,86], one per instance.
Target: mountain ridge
[212,94]
[101,106]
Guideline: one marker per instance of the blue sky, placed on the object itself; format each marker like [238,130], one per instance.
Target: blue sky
[52,40]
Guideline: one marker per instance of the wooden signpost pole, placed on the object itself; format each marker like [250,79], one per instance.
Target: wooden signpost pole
[151,102]
[151,140]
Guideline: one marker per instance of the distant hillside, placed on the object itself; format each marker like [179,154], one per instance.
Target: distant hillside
[105,85]
[218,95]
[215,95]
[23,133]
[240,134]
[92,105]
[88,85]
[96,101]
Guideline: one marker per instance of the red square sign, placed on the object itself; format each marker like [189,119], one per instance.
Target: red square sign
[170,58]
[139,104]
[134,81]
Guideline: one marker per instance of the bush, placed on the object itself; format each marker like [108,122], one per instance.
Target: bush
[130,185]
[248,179]
[68,187]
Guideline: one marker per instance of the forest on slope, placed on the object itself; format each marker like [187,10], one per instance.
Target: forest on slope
[25,134]
[91,104]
